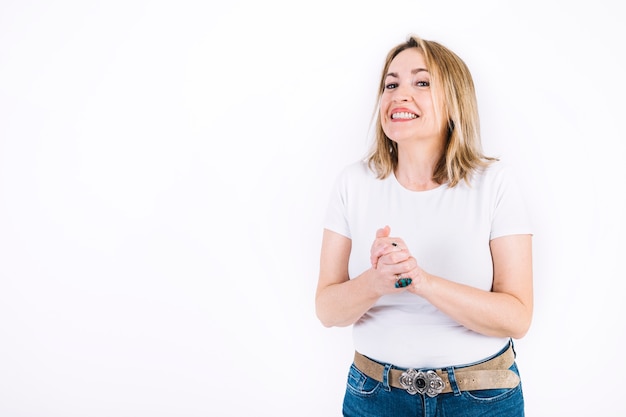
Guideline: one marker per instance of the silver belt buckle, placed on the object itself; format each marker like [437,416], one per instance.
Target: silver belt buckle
[428,382]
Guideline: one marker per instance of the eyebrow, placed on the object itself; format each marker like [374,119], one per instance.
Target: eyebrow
[414,71]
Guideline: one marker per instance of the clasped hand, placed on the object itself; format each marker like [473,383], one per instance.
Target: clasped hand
[391,260]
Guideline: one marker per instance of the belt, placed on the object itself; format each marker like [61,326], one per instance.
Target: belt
[491,374]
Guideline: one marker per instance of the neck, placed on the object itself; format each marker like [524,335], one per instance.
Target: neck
[416,167]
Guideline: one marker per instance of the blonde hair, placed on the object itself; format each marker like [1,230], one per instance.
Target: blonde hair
[451,81]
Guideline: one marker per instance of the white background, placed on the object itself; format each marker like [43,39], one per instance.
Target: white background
[164,169]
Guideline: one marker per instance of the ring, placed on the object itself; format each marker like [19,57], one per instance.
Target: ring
[402,282]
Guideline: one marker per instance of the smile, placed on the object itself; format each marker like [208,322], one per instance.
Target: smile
[404,115]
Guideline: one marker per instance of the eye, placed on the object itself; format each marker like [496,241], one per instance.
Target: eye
[391,86]
[422,83]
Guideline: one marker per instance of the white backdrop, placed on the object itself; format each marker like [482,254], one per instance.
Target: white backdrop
[164,169]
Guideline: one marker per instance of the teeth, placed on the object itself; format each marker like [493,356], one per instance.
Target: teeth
[404,115]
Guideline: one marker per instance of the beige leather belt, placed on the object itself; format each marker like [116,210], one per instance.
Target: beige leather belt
[491,374]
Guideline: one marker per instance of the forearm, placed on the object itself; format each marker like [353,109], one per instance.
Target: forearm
[344,303]
[486,312]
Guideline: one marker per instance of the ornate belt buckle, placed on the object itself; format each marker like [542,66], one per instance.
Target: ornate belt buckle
[428,382]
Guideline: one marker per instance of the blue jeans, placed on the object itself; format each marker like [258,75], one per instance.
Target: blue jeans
[366,397]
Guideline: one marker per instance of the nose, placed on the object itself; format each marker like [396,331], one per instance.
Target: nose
[401,94]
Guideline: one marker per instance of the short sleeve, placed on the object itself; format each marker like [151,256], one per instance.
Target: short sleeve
[510,212]
[336,212]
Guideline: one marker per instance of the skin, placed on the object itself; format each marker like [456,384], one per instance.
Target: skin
[505,311]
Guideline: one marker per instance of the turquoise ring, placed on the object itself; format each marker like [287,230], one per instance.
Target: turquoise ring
[403,282]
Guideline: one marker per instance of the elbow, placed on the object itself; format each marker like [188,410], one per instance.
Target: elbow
[322,316]
[324,313]
[328,320]
[325,319]
[519,334]
[329,324]
[326,323]
[521,328]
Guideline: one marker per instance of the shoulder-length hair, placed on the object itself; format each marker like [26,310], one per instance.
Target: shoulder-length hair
[451,81]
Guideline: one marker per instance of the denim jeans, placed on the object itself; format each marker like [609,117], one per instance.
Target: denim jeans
[366,397]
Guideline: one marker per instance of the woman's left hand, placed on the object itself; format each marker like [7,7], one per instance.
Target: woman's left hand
[392,251]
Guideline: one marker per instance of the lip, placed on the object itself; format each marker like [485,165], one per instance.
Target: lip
[402,110]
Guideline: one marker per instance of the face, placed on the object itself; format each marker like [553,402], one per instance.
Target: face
[407,109]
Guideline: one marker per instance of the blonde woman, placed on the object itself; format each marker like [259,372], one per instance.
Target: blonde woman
[427,252]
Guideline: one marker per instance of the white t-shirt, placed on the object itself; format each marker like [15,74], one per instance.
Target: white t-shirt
[448,231]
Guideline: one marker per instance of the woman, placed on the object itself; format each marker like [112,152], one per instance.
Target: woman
[427,252]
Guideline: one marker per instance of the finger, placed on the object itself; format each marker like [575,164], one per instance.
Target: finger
[405,279]
[403,282]
[390,253]
[376,253]
[384,232]
[395,257]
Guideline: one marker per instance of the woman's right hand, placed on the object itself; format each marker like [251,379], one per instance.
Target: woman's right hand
[390,259]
